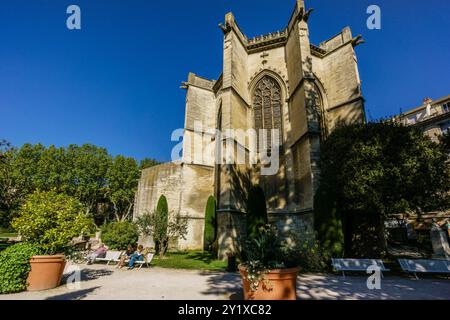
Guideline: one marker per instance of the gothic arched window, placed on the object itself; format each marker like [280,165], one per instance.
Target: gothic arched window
[267,106]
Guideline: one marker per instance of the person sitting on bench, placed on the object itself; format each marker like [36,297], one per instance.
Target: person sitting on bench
[99,253]
[125,256]
[137,256]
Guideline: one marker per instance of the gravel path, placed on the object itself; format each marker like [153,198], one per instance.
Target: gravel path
[105,282]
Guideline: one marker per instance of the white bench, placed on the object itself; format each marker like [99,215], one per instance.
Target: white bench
[357,265]
[147,260]
[415,266]
[111,256]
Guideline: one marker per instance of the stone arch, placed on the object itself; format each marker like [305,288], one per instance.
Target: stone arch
[256,216]
[268,94]
[267,72]
[267,101]
[322,106]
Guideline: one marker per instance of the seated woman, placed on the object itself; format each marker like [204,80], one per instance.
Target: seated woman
[125,256]
[99,253]
[139,255]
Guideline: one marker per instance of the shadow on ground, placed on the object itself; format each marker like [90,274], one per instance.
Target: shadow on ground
[392,288]
[332,287]
[227,284]
[86,275]
[74,295]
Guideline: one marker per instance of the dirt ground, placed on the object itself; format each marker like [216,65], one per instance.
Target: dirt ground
[105,282]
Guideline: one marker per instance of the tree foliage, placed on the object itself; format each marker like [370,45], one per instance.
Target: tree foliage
[370,172]
[104,185]
[119,234]
[162,229]
[209,235]
[50,220]
[147,163]
[122,177]
[162,211]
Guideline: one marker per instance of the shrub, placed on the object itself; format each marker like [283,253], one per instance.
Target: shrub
[15,266]
[176,228]
[162,209]
[50,220]
[118,235]
[210,224]
[161,221]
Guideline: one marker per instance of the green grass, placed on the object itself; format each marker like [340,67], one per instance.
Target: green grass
[196,260]
[8,235]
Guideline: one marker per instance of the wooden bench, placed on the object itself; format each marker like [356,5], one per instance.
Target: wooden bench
[415,266]
[357,265]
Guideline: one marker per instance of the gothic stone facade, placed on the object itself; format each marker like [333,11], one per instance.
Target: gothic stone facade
[279,80]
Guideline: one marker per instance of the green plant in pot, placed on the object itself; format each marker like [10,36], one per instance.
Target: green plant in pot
[269,269]
[49,221]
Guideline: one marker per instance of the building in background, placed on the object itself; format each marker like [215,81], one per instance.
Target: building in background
[433,117]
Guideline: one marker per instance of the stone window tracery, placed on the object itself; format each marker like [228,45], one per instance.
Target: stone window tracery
[267,106]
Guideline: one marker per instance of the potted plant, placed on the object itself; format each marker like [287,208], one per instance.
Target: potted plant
[49,221]
[269,269]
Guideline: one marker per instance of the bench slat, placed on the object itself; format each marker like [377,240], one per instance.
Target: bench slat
[425,265]
[357,264]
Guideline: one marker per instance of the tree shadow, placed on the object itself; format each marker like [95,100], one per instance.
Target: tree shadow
[88,274]
[331,287]
[224,283]
[206,257]
[75,295]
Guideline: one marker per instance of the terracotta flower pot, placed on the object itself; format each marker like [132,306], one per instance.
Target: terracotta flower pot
[46,272]
[282,285]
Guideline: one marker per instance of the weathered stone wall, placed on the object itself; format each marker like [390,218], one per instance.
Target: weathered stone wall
[164,179]
[197,186]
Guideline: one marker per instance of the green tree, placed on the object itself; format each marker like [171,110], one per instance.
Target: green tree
[50,220]
[119,234]
[105,186]
[149,224]
[147,163]
[7,190]
[370,172]
[122,181]
[87,168]
[160,225]
[209,235]
[75,171]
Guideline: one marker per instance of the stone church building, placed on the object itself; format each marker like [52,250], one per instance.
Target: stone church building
[275,81]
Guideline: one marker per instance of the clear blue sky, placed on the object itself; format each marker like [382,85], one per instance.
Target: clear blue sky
[115,83]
